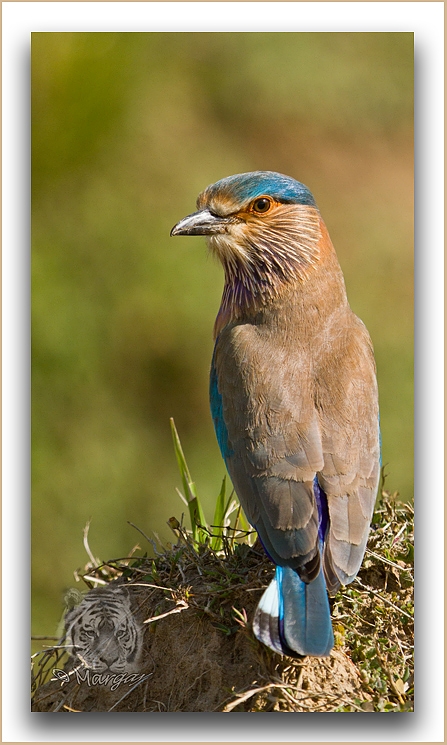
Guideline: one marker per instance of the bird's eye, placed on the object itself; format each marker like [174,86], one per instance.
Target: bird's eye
[261,205]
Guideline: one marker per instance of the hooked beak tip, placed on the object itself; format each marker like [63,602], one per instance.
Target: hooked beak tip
[203,222]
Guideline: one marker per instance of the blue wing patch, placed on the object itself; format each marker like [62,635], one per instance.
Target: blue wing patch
[217,414]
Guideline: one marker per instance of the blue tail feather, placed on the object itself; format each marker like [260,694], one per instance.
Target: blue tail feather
[293,617]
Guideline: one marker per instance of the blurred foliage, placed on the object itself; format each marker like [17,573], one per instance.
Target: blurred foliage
[127,129]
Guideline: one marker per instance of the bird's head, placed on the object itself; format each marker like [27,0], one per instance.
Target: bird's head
[265,229]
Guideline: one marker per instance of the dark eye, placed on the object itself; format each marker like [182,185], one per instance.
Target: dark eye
[262,204]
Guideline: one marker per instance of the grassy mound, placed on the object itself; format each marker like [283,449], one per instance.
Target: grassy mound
[196,603]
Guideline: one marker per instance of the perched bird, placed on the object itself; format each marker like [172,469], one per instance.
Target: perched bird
[293,397]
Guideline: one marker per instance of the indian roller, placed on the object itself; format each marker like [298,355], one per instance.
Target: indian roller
[293,397]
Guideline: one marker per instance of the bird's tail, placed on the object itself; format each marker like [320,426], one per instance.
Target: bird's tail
[293,617]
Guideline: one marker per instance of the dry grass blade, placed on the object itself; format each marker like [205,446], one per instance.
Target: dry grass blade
[242,697]
[179,607]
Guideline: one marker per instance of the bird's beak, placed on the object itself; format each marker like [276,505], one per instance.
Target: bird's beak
[201,223]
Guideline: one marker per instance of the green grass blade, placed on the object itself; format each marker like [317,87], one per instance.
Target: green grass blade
[196,513]
[188,484]
[219,518]
[243,522]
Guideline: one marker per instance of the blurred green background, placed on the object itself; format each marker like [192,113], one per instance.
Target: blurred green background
[127,129]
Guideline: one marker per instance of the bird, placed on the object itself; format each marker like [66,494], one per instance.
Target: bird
[293,396]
